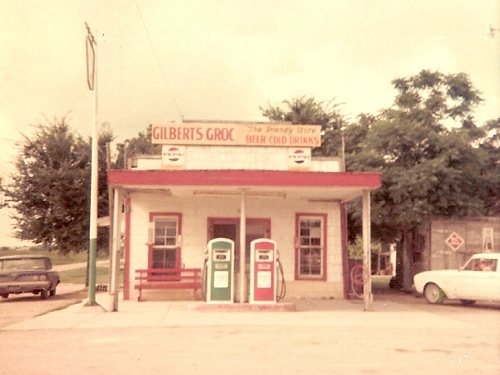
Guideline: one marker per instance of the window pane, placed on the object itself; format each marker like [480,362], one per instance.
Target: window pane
[316,241]
[165,242]
[164,258]
[310,246]
[165,232]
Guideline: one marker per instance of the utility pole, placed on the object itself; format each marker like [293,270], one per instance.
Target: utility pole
[91,49]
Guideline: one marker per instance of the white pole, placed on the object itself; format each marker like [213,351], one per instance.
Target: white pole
[367,280]
[114,288]
[93,188]
[243,230]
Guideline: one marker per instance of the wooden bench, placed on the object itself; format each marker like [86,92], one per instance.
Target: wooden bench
[168,278]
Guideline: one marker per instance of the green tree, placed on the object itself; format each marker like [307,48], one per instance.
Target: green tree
[309,111]
[51,186]
[140,145]
[424,147]
[489,145]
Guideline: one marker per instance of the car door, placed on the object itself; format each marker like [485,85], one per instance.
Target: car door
[475,283]
[491,290]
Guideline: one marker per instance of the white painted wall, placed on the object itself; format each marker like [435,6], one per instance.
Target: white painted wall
[195,212]
[236,158]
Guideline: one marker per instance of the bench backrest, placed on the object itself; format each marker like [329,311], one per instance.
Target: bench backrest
[169,274]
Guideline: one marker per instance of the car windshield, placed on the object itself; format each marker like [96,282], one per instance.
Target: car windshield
[23,264]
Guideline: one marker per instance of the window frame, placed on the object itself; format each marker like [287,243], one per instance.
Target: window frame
[323,269]
[153,216]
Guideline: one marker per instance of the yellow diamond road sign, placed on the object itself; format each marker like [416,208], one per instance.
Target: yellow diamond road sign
[454,241]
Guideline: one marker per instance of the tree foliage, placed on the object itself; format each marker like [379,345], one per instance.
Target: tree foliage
[50,190]
[489,145]
[430,167]
[309,111]
[425,147]
[140,145]
[434,159]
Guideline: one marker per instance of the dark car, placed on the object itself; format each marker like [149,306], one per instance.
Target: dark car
[27,274]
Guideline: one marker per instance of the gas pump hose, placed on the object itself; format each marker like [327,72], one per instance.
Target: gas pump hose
[281,287]
[204,277]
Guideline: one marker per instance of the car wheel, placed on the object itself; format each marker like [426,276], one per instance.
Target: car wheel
[44,294]
[467,302]
[433,293]
[5,295]
[53,292]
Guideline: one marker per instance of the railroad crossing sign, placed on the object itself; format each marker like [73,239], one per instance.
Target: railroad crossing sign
[454,241]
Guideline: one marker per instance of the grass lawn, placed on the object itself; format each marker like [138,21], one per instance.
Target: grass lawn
[79,275]
[55,257]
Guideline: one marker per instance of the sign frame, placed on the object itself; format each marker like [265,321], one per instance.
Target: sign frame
[237,134]
[454,241]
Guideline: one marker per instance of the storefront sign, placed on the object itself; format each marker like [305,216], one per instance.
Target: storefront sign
[299,159]
[173,157]
[237,134]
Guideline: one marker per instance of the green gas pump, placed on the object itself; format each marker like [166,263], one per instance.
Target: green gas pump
[220,271]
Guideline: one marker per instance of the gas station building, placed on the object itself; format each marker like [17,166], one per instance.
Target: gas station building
[241,181]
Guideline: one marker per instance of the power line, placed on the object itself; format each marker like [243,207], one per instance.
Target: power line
[158,61]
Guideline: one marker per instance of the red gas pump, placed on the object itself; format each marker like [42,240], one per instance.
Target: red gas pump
[263,271]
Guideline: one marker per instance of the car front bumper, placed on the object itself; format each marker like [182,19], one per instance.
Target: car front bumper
[23,287]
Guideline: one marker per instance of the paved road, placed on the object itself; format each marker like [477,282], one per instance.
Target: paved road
[21,307]
[18,308]
[404,335]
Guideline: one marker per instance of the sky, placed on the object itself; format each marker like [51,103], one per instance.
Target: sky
[166,60]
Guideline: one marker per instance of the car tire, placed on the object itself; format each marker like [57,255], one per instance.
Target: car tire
[5,295]
[434,294]
[44,294]
[52,292]
[467,302]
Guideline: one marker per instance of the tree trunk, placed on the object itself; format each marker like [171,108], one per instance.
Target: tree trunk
[408,261]
[397,281]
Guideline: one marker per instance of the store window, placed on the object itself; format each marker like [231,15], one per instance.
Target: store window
[164,241]
[310,246]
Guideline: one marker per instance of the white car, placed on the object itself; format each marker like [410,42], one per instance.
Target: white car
[478,279]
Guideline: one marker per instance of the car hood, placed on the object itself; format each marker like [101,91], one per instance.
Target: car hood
[23,271]
[437,273]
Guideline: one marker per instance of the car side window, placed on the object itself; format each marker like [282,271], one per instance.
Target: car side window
[487,265]
[494,263]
